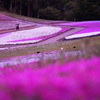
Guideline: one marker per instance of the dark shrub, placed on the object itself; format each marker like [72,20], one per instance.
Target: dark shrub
[49,13]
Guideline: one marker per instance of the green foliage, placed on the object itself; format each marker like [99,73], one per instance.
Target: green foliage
[71,10]
[49,13]
[89,10]
[54,9]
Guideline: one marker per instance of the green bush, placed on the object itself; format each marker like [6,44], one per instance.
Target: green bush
[49,13]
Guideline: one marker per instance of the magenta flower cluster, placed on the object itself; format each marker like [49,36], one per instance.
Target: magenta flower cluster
[4,18]
[76,80]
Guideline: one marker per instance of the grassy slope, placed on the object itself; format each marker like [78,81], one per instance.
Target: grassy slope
[90,43]
[35,20]
[79,44]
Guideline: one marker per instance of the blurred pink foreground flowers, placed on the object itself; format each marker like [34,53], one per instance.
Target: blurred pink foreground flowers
[76,80]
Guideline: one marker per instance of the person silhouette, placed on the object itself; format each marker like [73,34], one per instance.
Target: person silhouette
[17,26]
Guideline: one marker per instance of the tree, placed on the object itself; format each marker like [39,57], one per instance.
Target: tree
[11,3]
[20,6]
[49,13]
[71,10]
[28,10]
[54,9]
[37,4]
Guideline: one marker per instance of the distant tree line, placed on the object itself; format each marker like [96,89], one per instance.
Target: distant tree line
[76,10]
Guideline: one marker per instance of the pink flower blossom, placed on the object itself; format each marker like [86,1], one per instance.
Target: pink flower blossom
[78,79]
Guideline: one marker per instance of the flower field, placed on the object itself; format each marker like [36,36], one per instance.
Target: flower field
[44,31]
[58,73]
[91,28]
[77,80]
[28,36]
[7,22]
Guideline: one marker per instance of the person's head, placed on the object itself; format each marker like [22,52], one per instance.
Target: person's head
[17,24]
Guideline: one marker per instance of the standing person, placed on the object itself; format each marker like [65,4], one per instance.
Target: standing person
[17,26]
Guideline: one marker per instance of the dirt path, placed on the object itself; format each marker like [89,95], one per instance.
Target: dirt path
[61,36]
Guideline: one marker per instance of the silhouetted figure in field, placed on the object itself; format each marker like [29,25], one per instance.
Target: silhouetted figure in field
[17,26]
[74,47]
[38,52]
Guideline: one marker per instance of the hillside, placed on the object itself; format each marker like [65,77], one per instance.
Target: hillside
[49,60]
[44,36]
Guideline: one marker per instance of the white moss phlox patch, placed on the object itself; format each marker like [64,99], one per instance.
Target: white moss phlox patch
[27,34]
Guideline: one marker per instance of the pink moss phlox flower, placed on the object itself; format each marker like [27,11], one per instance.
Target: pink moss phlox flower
[77,79]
